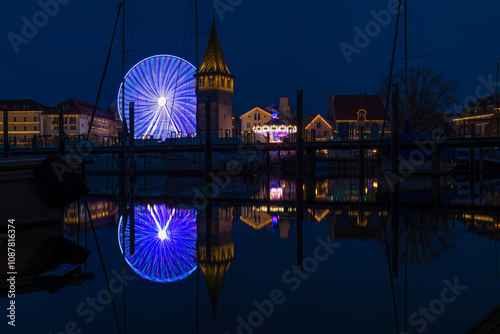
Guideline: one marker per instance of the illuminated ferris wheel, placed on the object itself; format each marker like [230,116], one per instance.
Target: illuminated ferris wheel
[163,91]
[165,243]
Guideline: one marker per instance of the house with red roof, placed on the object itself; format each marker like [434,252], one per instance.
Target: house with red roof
[356,112]
[76,117]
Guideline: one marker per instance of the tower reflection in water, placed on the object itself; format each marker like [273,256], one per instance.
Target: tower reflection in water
[165,242]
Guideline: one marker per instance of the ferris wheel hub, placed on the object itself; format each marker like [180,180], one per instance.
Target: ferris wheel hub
[162,101]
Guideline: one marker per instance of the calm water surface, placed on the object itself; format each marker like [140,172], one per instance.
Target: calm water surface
[249,261]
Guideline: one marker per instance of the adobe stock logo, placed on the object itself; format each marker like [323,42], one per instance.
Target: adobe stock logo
[436,307]
[372,29]
[40,19]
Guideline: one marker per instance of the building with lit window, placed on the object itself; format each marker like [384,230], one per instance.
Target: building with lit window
[25,119]
[323,129]
[117,127]
[253,118]
[481,119]
[353,114]
[217,83]
[77,116]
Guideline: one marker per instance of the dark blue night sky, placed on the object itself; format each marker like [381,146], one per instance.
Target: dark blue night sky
[273,48]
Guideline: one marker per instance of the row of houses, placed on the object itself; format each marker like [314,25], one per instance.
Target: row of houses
[349,116]
[27,118]
[481,119]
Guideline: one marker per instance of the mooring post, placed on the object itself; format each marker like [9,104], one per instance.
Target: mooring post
[132,214]
[208,140]
[61,131]
[299,181]
[361,163]
[131,140]
[300,149]
[396,185]
[435,175]
[6,148]
[310,183]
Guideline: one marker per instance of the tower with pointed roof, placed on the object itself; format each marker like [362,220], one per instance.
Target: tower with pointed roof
[215,81]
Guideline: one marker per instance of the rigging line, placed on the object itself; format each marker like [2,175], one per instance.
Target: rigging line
[102,265]
[406,275]
[207,15]
[390,275]
[86,260]
[424,39]
[392,68]
[139,36]
[179,69]
[124,120]
[104,72]
[496,250]
[419,42]
[182,287]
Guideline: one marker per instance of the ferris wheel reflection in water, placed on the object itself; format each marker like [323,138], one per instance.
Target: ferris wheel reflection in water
[165,242]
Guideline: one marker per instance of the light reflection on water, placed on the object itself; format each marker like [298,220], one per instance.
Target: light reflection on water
[243,249]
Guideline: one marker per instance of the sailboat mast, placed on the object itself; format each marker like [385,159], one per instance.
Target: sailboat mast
[406,59]
[196,34]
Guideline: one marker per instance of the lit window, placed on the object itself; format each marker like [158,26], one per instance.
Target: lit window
[361,115]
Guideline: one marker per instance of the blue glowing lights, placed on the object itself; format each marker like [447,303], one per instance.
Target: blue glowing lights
[165,243]
[163,91]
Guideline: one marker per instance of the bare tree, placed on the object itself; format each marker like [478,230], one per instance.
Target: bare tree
[425,95]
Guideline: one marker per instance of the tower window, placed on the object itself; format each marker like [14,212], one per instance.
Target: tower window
[211,82]
[228,83]
[223,82]
[201,82]
[361,114]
